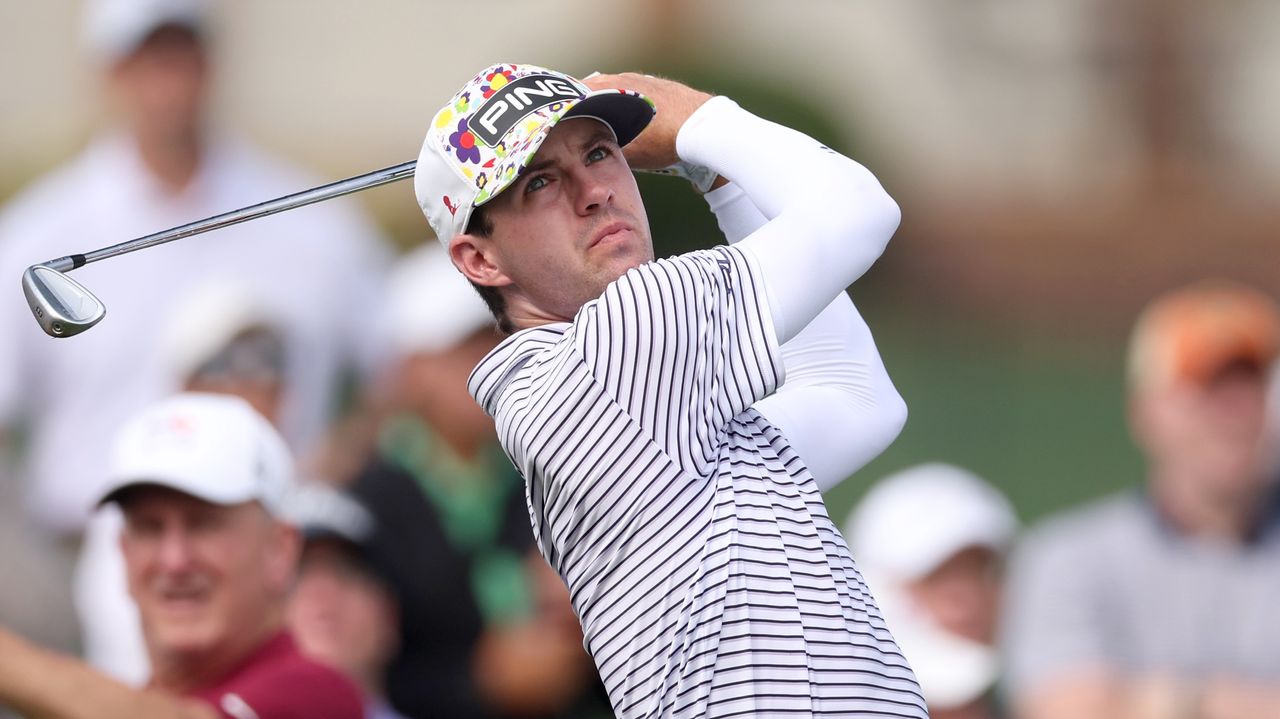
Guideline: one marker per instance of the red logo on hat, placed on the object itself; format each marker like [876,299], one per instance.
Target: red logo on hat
[453,209]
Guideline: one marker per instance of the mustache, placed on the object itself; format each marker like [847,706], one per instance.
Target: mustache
[180,584]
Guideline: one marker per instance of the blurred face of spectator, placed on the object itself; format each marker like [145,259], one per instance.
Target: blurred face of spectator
[250,367]
[203,575]
[962,595]
[264,396]
[160,88]
[1210,433]
[340,613]
[435,384]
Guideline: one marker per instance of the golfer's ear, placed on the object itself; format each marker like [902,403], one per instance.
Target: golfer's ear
[473,256]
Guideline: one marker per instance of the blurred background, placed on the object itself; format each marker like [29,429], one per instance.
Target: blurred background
[1058,162]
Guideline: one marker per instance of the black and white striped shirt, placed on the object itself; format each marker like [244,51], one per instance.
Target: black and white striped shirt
[697,550]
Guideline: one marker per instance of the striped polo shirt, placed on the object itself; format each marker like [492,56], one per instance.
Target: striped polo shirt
[698,553]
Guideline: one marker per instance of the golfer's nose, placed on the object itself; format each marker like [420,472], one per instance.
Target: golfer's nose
[593,193]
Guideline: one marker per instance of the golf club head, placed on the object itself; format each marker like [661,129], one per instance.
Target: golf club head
[62,306]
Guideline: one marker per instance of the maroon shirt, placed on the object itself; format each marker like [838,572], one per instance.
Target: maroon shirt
[277,682]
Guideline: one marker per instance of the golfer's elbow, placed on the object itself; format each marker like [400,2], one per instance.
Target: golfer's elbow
[874,217]
[871,429]
[894,409]
[859,214]
[885,217]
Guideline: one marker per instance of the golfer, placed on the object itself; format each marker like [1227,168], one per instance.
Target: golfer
[675,420]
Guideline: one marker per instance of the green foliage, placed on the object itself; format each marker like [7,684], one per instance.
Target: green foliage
[1041,418]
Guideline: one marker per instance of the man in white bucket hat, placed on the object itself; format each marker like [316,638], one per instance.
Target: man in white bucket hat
[932,541]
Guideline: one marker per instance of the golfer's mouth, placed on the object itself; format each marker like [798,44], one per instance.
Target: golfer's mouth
[612,232]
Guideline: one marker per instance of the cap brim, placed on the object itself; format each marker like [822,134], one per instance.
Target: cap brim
[203,493]
[627,114]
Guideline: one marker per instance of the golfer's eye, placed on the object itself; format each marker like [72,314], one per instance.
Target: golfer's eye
[598,153]
[537,182]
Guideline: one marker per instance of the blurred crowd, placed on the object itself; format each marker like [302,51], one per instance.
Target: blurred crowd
[417,576]
[1156,602]
[271,432]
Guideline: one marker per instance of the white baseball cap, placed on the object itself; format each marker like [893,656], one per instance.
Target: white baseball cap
[112,29]
[911,522]
[213,447]
[484,137]
[208,322]
[428,306]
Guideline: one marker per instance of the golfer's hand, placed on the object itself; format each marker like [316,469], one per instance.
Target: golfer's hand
[655,148]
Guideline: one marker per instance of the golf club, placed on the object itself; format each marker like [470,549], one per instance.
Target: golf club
[64,308]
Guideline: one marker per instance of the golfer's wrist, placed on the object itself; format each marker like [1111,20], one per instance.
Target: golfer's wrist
[704,120]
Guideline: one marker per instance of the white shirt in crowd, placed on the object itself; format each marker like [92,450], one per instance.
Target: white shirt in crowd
[317,268]
[316,271]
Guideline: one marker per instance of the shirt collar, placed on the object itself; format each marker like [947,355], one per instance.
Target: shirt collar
[498,367]
[119,151]
[1265,531]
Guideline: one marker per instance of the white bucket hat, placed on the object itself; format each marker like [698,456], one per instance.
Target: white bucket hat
[911,522]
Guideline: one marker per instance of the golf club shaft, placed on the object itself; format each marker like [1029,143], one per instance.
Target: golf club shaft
[244,214]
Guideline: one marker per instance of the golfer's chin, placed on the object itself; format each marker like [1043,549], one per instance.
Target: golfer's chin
[617,259]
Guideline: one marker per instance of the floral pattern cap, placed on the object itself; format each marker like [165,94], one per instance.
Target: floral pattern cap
[483,138]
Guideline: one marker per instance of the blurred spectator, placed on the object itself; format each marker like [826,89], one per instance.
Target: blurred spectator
[157,166]
[202,482]
[1273,419]
[342,611]
[221,340]
[224,339]
[452,524]
[1160,602]
[931,541]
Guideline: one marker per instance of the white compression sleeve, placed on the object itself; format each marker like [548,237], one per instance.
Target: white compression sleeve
[834,375]
[829,219]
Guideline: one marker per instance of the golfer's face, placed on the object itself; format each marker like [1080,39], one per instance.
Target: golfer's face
[199,572]
[573,222]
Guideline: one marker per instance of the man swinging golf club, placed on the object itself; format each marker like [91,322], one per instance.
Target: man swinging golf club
[673,419]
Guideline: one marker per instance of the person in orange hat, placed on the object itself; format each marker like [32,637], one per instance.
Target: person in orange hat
[1158,603]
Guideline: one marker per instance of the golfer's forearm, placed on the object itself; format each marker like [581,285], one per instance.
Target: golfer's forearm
[837,407]
[41,684]
[834,374]
[829,218]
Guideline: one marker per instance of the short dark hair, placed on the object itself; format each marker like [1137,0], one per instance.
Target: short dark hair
[481,225]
